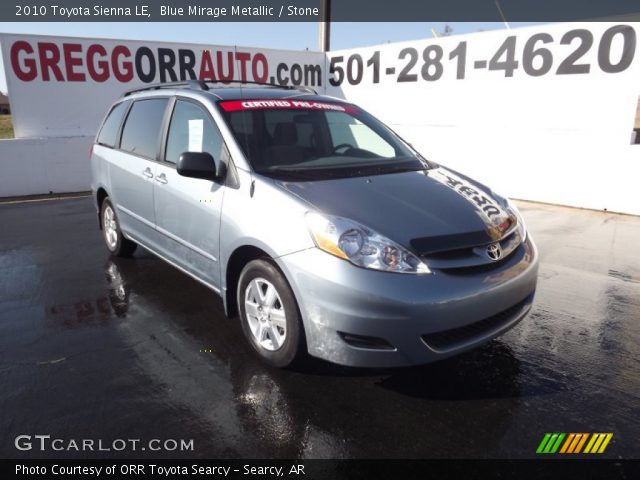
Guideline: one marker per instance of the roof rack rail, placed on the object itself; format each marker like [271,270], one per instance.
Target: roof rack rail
[302,88]
[191,84]
[202,85]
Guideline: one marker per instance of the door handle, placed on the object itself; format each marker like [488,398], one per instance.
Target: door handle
[147,173]
[162,178]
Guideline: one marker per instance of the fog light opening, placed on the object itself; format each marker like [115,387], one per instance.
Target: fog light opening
[362,341]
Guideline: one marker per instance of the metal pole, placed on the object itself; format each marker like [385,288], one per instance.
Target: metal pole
[324,37]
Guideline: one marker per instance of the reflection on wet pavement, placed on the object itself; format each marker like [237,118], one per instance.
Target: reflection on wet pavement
[94,347]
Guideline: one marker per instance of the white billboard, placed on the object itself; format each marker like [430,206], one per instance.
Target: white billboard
[541,113]
[62,86]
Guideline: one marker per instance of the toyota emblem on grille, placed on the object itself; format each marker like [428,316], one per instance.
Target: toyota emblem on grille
[494,252]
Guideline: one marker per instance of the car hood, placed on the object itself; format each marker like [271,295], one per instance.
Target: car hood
[426,211]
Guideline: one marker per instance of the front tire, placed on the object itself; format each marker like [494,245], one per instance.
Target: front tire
[112,234]
[269,314]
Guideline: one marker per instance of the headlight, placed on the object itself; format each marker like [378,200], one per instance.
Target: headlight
[361,246]
[522,229]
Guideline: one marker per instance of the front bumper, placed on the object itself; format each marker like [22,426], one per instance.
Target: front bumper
[422,318]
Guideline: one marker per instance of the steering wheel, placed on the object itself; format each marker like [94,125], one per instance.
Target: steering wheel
[346,146]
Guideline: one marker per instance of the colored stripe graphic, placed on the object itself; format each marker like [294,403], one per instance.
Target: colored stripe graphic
[606,442]
[567,443]
[550,443]
[598,443]
[555,447]
[591,442]
[573,443]
[581,443]
[544,441]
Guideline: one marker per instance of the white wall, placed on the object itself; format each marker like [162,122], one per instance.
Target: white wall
[70,95]
[55,119]
[34,166]
[563,139]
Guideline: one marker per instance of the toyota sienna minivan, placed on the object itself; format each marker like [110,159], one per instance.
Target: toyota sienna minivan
[322,230]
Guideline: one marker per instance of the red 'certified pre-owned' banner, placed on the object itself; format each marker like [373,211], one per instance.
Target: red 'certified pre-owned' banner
[235,105]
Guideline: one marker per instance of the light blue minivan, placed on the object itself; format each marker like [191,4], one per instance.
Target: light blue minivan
[322,230]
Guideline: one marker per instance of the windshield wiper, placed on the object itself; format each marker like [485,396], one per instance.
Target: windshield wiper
[384,169]
[399,168]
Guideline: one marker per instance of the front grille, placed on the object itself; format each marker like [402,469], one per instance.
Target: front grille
[463,253]
[481,268]
[448,339]
[474,258]
[443,243]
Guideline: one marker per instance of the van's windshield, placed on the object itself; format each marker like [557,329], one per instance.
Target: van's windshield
[307,140]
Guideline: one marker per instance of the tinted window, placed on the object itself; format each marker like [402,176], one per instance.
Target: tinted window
[109,133]
[242,123]
[192,130]
[141,131]
[347,130]
[307,140]
[303,125]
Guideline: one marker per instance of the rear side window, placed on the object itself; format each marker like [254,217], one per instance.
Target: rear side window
[108,135]
[142,129]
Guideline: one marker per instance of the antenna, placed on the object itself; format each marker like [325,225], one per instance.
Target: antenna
[504,19]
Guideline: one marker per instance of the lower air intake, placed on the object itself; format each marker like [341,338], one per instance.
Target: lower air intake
[448,339]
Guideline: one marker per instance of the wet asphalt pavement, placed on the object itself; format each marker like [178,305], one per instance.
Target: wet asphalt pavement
[100,348]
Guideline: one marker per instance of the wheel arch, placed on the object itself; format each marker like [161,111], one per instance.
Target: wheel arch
[236,262]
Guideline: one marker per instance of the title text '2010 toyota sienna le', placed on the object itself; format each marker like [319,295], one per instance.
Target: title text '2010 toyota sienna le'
[322,230]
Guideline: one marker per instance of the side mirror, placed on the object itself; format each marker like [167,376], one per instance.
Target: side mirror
[197,165]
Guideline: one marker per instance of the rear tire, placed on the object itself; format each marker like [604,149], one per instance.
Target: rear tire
[269,315]
[112,234]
